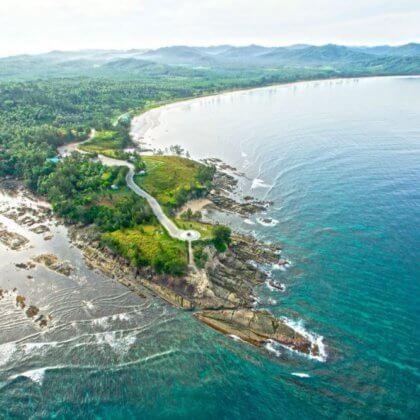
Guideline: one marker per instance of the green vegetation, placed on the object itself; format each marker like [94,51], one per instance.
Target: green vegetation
[108,142]
[81,190]
[221,237]
[50,100]
[150,245]
[205,229]
[200,256]
[173,180]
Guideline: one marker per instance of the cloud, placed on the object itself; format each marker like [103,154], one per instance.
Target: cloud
[40,25]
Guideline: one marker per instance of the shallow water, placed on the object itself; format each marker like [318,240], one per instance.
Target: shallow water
[341,161]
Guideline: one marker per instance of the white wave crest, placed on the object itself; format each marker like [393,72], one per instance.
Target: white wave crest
[301,375]
[235,337]
[7,351]
[273,347]
[269,222]
[35,375]
[31,347]
[121,317]
[249,222]
[259,183]
[101,322]
[315,339]
[119,343]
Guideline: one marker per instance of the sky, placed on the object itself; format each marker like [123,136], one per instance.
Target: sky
[34,26]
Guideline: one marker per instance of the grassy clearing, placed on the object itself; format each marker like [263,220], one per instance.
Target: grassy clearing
[110,197]
[150,245]
[172,180]
[205,229]
[108,143]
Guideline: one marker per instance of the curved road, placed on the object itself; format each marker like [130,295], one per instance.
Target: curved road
[164,220]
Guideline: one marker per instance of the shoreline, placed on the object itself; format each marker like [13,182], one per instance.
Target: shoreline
[222,288]
[180,101]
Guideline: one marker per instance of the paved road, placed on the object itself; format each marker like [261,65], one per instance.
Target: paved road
[164,220]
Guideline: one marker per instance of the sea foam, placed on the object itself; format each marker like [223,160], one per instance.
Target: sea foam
[301,375]
[314,339]
[259,183]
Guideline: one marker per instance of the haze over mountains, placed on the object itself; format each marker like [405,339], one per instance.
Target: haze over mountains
[404,59]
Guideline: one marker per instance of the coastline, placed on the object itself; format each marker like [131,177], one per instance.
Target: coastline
[223,289]
[227,281]
[186,100]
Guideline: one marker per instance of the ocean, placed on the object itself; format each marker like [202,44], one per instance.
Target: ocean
[340,160]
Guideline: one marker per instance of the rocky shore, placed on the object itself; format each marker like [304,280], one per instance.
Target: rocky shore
[221,294]
[31,311]
[12,240]
[223,195]
[257,328]
[52,262]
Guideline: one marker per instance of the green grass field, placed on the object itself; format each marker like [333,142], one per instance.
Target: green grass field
[205,229]
[170,179]
[147,245]
[108,143]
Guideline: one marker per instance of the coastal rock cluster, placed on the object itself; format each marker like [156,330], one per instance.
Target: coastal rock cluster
[233,274]
[12,240]
[221,292]
[257,327]
[35,218]
[31,311]
[52,262]
[222,195]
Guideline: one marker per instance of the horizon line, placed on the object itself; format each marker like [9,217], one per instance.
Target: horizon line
[55,50]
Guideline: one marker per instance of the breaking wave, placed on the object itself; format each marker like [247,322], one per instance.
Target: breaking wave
[315,339]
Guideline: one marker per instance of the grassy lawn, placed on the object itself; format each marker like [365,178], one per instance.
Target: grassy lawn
[170,179]
[150,245]
[205,229]
[108,143]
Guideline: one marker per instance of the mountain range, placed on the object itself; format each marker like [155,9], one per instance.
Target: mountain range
[404,59]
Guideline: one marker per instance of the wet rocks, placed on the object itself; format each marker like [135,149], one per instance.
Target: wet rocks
[52,262]
[25,266]
[40,229]
[34,216]
[276,285]
[257,327]
[12,240]
[230,205]
[20,301]
[31,311]
[247,248]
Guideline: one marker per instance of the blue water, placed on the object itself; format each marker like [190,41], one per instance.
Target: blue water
[341,161]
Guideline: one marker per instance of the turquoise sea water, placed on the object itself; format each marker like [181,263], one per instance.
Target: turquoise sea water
[341,161]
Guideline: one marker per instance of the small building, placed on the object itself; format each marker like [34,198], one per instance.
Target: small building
[114,187]
[54,159]
[142,172]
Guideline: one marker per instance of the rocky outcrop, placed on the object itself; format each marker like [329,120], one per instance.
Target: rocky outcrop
[246,208]
[222,291]
[12,240]
[31,311]
[257,327]
[52,262]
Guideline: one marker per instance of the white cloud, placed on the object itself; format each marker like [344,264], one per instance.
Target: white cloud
[40,25]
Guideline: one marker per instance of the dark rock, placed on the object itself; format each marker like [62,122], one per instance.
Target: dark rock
[257,327]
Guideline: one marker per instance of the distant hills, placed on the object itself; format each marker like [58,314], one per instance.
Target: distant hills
[357,60]
[295,55]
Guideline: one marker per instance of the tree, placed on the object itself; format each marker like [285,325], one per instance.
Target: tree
[177,149]
[221,237]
